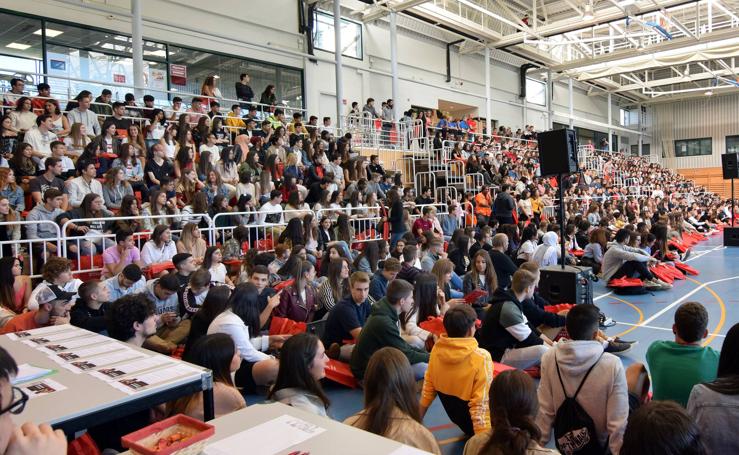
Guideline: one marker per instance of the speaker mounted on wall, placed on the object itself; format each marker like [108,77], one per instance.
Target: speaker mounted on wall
[558,152]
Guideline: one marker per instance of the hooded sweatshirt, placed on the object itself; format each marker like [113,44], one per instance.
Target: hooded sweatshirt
[458,367]
[604,396]
[546,253]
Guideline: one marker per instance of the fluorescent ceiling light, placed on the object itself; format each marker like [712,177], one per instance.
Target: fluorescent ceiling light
[588,11]
[18,46]
[50,33]
[709,92]
[216,76]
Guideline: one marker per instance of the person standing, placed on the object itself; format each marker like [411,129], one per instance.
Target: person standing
[244,91]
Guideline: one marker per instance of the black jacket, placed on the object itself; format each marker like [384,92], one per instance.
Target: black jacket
[494,337]
[504,204]
[89,319]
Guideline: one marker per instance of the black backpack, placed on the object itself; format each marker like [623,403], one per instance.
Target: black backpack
[574,430]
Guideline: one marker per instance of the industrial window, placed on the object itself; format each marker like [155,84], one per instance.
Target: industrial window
[536,92]
[732,144]
[693,147]
[351,35]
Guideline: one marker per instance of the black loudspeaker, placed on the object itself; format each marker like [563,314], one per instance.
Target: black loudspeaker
[731,236]
[729,165]
[558,152]
[572,284]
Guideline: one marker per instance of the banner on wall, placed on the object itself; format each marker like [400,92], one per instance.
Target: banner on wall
[178,74]
[157,79]
[119,78]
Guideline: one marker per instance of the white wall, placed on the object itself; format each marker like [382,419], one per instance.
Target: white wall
[267,30]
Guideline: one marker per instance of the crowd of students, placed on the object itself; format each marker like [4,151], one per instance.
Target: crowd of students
[373,295]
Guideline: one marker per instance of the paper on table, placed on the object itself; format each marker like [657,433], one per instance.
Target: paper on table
[136,383]
[408,450]
[111,373]
[66,345]
[44,331]
[41,388]
[267,438]
[52,337]
[28,372]
[95,362]
[69,356]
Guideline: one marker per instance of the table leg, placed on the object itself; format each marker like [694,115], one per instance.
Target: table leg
[208,405]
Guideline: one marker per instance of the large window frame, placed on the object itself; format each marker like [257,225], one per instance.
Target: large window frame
[44,62]
[732,144]
[536,92]
[693,147]
[318,14]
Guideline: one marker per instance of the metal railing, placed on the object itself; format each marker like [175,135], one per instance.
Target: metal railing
[32,248]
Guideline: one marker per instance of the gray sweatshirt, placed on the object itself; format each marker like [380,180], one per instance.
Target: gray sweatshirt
[604,396]
[42,230]
[616,255]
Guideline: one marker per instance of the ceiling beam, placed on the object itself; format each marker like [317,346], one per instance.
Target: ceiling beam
[384,7]
[603,16]
[673,80]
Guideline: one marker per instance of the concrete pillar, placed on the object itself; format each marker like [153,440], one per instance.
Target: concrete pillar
[137,47]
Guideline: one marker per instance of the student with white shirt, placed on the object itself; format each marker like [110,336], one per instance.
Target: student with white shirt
[160,247]
[241,322]
[271,211]
[83,114]
[40,138]
[212,262]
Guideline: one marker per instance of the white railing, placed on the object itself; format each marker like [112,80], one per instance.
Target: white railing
[43,247]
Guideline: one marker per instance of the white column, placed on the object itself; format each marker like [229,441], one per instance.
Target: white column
[394,62]
[550,110]
[337,59]
[572,104]
[488,101]
[610,123]
[137,47]
[641,131]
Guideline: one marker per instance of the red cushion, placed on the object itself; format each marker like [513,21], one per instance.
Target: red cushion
[341,373]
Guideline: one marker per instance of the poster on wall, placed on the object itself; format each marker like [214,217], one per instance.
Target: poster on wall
[157,79]
[178,74]
[119,78]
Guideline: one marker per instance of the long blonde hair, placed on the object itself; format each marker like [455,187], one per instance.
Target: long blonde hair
[79,140]
[188,238]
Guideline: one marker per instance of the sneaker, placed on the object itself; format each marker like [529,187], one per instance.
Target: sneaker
[619,340]
[663,284]
[686,255]
[604,322]
[618,348]
[333,351]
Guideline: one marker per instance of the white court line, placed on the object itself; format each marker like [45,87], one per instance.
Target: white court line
[681,299]
[662,328]
[602,296]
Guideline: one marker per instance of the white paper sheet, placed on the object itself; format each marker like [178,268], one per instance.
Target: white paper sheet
[113,372]
[408,450]
[136,383]
[267,438]
[41,388]
[43,330]
[66,345]
[78,366]
[70,356]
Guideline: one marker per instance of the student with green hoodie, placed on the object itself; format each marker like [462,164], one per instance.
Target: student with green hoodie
[382,330]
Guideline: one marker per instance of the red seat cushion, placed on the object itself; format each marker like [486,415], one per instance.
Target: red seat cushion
[341,373]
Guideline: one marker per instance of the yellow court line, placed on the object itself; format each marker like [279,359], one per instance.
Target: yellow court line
[639,312]
[721,304]
[444,442]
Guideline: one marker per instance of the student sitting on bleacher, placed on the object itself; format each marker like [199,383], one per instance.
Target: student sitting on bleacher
[49,179]
[48,211]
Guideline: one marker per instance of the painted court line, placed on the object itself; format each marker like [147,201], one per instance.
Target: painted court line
[660,328]
[686,296]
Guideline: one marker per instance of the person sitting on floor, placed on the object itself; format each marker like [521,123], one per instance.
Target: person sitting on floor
[621,260]
[391,402]
[55,271]
[346,319]
[663,427]
[676,366]
[91,305]
[408,271]
[302,366]
[460,372]
[578,368]
[132,319]
[53,309]
[506,332]
[172,329]
[513,406]
[381,278]
[129,281]
[381,330]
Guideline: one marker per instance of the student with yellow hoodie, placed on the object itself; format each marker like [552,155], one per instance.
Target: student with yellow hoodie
[460,372]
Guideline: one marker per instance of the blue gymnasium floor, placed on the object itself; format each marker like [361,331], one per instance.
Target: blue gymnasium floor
[644,318]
